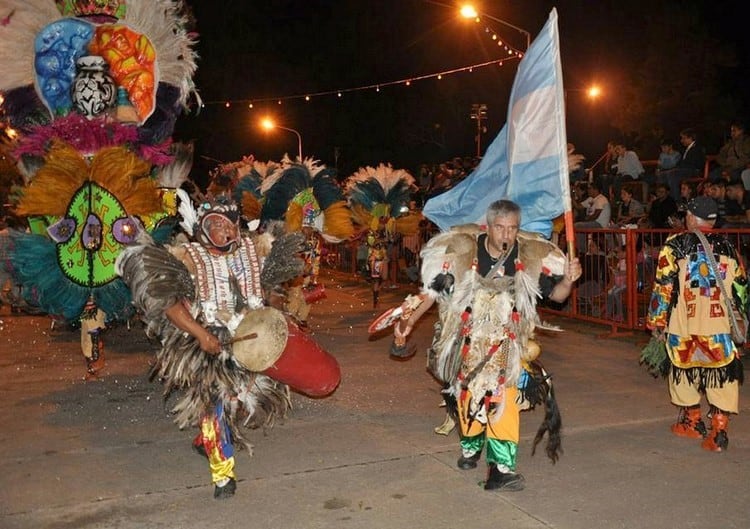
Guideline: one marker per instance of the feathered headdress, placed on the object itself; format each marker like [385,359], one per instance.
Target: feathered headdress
[144,43]
[307,194]
[242,180]
[382,192]
[94,88]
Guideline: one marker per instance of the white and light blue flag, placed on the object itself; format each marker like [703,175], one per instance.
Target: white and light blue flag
[527,162]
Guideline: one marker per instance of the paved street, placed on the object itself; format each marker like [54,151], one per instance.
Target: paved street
[106,454]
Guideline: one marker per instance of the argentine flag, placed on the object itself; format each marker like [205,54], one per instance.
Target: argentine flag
[527,162]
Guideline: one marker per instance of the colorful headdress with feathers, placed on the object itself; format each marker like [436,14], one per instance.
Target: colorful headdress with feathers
[142,44]
[382,194]
[94,89]
[242,180]
[307,194]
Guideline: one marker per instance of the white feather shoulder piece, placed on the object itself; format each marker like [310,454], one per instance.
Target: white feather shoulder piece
[187,212]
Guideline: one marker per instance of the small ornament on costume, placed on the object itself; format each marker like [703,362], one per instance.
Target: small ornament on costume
[62,230]
[125,110]
[126,230]
[99,11]
[93,91]
[91,236]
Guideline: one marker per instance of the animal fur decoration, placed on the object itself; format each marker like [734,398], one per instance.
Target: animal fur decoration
[478,315]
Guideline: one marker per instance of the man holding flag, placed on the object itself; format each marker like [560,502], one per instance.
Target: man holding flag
[487,282]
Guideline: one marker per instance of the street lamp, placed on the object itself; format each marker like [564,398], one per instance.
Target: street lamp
[592,92]
[268,124]
[468,11]
[479,112]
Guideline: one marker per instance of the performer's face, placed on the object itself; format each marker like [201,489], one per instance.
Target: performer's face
[501,233]
[221,231]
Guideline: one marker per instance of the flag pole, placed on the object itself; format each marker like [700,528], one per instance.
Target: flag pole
[569,230]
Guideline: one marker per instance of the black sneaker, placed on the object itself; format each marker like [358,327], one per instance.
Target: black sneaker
[227,491]
[467,463]
[510,481]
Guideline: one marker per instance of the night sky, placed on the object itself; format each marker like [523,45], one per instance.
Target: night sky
[260,52]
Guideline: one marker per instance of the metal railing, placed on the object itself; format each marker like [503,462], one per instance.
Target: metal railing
[595,297]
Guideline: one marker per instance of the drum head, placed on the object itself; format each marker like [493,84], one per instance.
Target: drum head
[258,354]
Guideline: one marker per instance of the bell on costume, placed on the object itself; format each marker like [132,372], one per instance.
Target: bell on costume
[93,90]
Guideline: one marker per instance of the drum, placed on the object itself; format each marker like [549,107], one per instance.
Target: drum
[285,353]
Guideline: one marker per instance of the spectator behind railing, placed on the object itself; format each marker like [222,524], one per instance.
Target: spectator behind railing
[598,213]
[727,208]
[618,285]
[669,158]
[661,208]
[734,155]
[629,168]
[692,162]
[630,211]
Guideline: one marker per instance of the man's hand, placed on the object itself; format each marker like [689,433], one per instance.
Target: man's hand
[572,269]
[399,336]
[210,343]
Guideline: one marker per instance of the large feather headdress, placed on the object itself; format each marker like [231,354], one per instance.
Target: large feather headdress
[382,192]
[158,49]
[307,194]
[95,169]
[242,180]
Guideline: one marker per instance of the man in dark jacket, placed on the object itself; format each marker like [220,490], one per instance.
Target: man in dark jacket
[691,165]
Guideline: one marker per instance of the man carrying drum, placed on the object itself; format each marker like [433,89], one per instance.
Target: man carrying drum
[234,358]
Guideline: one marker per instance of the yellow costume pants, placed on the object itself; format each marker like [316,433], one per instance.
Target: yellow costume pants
[499,431]
[726,397]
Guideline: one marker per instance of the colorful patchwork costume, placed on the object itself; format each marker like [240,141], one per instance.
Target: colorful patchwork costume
[687,306]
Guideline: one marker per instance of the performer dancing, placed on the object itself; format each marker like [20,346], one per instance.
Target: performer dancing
[196,320]
[689,316]
[379,198]
[483,350]
[94,90]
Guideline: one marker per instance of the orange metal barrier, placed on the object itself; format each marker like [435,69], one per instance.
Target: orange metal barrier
[599,300]
[594,299]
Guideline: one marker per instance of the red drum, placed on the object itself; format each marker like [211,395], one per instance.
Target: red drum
[305,366]
[269,343]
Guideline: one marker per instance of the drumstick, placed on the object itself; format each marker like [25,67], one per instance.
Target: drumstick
[250,336]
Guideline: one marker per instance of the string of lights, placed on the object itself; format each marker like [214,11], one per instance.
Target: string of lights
[512,54]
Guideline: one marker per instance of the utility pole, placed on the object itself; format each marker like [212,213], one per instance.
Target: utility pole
[479,113]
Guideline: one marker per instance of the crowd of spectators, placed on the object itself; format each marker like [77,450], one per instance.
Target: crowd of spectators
[434,179]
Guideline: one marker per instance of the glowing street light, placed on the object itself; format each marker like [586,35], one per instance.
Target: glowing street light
[268,124]
[593,92]
[468,11]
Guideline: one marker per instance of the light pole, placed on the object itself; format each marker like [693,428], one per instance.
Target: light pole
[468,11]
[479,112]
[268,124]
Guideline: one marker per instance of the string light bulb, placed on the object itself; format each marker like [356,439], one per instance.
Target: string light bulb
[339,92]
